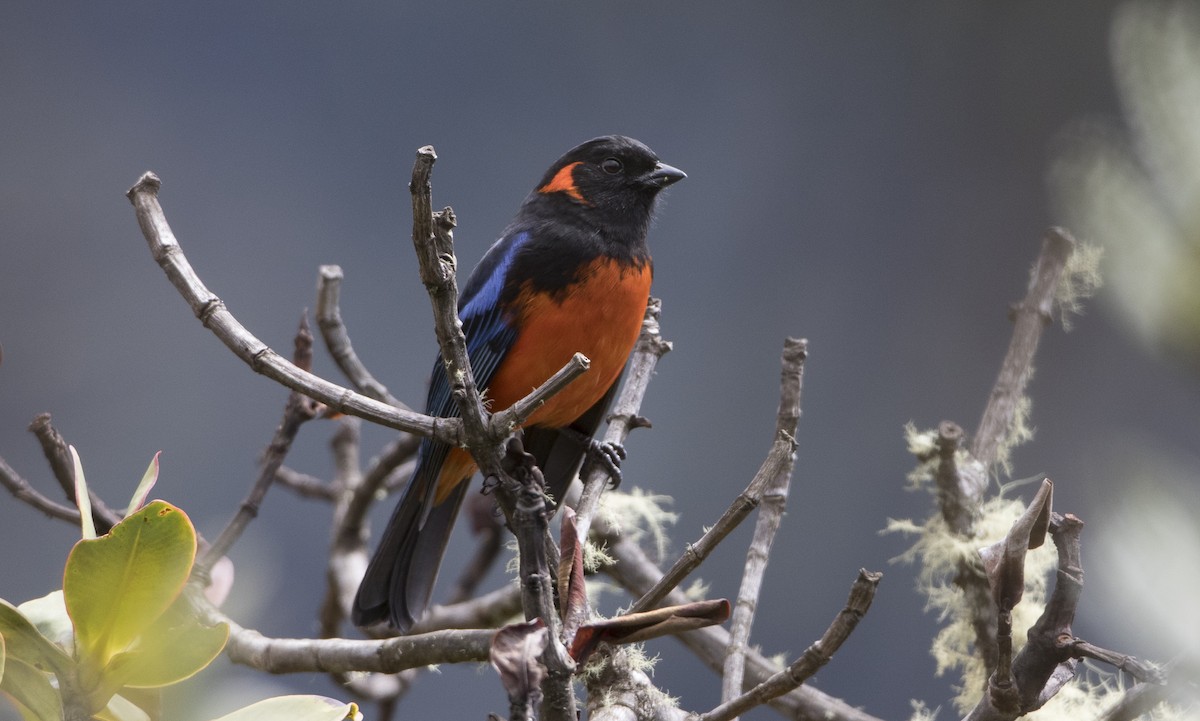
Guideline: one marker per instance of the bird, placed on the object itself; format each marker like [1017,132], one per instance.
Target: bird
[571,273]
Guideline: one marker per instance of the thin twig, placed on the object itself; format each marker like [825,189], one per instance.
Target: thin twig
[304,485]
[298,410]
[634,571]
[773,504]
[953,496]
[259,356]
[54,447]
[1181,686]
[813,658]
[1030,317]
[779,457]
[650,348]
[488,529]
[311,655]
[23,491]
[962,484]
[343,571]
[337,339]
[487,611]
[342,576]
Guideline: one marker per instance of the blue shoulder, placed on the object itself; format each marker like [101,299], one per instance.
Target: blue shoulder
[489,334]
[486,282]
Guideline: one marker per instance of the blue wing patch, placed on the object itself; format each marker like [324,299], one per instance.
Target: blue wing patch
[489,338]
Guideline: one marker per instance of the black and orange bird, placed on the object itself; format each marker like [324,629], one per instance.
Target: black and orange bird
[570,274]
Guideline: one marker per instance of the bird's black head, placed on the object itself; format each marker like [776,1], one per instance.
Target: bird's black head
[610,179]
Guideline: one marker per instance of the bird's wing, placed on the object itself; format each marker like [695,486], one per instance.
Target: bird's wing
[490,335]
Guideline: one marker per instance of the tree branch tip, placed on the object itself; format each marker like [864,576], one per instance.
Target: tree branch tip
[329,273]
[445,218]
[795,350]
[148,183]
[426,152]
[872,577]
[950,431]
[1058,234]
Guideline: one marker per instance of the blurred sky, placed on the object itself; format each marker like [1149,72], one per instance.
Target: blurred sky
[870,176]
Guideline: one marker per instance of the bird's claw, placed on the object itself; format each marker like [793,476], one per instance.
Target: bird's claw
[608,456]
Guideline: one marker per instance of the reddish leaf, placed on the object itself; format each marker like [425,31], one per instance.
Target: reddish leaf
[635,627]
[572,589]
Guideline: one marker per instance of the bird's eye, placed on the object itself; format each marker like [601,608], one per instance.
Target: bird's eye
[612,166]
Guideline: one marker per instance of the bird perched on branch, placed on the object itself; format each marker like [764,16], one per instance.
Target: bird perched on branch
[570,274]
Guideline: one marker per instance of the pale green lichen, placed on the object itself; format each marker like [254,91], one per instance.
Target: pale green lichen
[1019,432]
[921,712]
[939,554]
[1080,281]
[638,515]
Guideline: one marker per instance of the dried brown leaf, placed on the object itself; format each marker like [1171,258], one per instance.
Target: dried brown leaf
[635,627]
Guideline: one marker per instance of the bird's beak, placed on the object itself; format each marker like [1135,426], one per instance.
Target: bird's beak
[662,176]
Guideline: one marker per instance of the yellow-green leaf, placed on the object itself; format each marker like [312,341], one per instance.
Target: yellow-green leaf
[176,647]
[116,586]
[49,615]
[24,642]
[149,478]
[32,689]
[296,708]
[82,499]
[2,655]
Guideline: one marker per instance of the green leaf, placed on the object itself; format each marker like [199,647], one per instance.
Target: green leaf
[49,615]
[296,708]
[23,641]
[32,689]
[115,587]
[176,647]
[82,499]
[149,478]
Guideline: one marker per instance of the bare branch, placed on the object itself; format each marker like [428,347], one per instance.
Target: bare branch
[259,356]
[23,491]
[304,485]
[55,449]
[433,241]
[1030,316]
[300,655]
[337,339]
[487,611]
[1181,686]
[637,574]
[488,527]
[774,501]
[962,481]
[777,463]
[650,348]
[813,658]
[955,495]
[297,411]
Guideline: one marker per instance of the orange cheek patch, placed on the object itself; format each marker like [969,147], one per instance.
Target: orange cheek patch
[564,182]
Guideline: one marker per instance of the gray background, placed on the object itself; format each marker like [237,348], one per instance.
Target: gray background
[868,175]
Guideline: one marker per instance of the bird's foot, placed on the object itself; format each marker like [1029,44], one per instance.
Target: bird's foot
[608,456]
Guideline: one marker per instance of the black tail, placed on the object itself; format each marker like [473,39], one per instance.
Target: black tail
[400,577]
